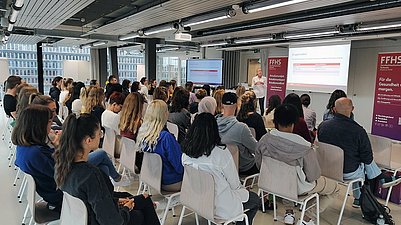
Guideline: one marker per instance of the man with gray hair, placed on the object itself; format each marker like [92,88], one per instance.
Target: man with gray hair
[344,132]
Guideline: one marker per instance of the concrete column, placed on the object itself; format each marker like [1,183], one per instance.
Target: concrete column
[39,58]
[150,58]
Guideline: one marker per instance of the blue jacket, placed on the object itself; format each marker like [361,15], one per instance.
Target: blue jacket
[38,162]
[170,151]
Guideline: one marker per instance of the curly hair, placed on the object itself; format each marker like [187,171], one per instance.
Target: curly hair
[95,98]
[248,104]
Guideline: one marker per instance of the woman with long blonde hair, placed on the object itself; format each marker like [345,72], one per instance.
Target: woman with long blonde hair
[131,116]
[94,103]
[154,137]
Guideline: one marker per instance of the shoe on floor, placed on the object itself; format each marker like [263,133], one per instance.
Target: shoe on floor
[306,221]
[289,217]
[390,181]
[356,203]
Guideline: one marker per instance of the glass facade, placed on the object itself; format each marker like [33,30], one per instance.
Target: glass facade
[131,65]
[22,61]
[171,68]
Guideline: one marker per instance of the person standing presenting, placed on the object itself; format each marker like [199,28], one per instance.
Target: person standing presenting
[259,87]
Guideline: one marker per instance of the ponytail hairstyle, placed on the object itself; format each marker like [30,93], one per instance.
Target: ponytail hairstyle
[248,104]
[75,130]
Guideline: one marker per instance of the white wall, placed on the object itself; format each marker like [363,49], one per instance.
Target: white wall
[4,72]
[361,80]
[243,68]
[78,70]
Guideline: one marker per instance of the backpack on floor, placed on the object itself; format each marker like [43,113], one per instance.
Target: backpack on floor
[371,208]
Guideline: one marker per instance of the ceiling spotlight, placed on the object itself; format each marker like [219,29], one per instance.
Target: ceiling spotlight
[99,43]
[375,27]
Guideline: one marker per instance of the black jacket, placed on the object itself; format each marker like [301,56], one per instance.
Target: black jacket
[55,93]
[352,138]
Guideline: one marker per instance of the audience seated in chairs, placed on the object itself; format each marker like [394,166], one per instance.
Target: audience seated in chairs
[344,132]
[300,127]
[81,179]
[248,115]
[179,113]
[234,132]
[283,145]
[329,112]
[76,94]
[154,137]
[111,116]
[203,150]
[34,155]
[208,105]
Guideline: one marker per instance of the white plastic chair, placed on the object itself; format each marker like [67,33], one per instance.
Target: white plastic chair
[244,180]
[173,128]
[109,142]
[151,177]
[129,150]
[331,160]
[39,211]
[197,194]
[280,179]
[73,211]
[383,155]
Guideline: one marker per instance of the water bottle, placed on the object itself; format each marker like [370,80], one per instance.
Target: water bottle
[380,220]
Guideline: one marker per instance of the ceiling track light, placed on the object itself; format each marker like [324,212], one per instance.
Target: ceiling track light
[252,40]
[257,7]
[86,46]
[196,20]
[99,43]
[129,36]
[378,27]
[311,35]
[161,28]
[212,44]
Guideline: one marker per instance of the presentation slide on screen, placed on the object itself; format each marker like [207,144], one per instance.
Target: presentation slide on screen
[205,71]
[318,69]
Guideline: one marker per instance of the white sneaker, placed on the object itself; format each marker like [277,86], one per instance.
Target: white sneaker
[123,182]
[289,218]
[303,222]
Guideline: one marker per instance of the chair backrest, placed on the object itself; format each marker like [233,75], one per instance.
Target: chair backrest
[197,192]
[128,153]
[151,171]
[381,148]
[109,141]
[73,211]
[253,131]
[173,128]
[331,161]
[235,153]
[31,194]
[278,178]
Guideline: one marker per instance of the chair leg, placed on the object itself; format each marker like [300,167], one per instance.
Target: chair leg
[246,219]
[140,187]
[16,177]
[23,191]
[166,210]
[30,221]
[274,208]
[344,202]
[261,194]
[181,216]
[209,223]
[196,219]
[388,195]
[317,210]
[22,187]
[11,160]
[25,214]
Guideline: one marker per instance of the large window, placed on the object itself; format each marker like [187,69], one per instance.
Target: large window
[22,61]
[131,64]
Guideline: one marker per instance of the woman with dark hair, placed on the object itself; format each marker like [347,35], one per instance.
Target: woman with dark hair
[56,89]
[274,102]
[207,88]
[76,91]
[66,87]
[135,87]
[329,113]
[152,87]
[179,113]
[202,149]
[80,179]
[161,94]
[309,114]
[126,87]
[248,115]
[300,127]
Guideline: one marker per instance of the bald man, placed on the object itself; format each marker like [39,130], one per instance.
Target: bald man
[344,132]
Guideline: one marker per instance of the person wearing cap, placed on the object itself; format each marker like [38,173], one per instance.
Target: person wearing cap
[234,132]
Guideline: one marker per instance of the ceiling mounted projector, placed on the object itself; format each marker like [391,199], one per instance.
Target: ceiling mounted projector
[182,36]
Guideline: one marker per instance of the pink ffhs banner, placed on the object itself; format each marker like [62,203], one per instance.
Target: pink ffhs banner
[386,119]
[277,76]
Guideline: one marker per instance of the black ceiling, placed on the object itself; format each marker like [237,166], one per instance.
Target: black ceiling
[101,12]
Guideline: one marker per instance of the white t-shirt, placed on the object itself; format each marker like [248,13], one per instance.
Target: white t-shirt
[259,89]
[63,95]
[111,120]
